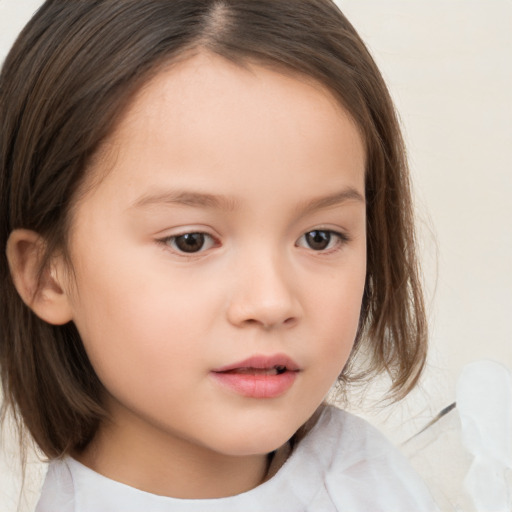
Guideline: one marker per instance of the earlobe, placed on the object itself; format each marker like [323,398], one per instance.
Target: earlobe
[47,296]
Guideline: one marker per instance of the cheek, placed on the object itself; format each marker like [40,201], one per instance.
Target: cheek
[339,313]
[338,301]
[138,323]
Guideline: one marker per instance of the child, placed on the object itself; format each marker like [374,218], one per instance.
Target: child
[207,217]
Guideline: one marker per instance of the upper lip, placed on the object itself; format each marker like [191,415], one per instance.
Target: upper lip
[262,362]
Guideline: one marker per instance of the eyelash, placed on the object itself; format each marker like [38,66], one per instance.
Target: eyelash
[169,241]
[340,239]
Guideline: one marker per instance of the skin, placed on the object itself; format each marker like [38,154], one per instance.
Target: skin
[155,321]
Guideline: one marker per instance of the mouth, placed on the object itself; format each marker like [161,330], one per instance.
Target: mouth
[276,370]
[258,376]
[271,365]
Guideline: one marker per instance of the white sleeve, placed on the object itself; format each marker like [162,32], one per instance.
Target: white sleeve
[369,474]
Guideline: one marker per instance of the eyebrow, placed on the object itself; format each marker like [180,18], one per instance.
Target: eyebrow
[188,198]
[334,199]
[221,202]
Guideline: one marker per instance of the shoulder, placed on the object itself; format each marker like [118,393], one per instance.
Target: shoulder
[351,435]
[58,490]
[337,432]
[362,469]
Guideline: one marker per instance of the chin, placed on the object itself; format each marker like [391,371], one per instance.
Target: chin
[258,440]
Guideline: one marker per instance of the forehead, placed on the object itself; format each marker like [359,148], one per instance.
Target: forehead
[206,116]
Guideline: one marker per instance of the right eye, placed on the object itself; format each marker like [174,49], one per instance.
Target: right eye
[189,243]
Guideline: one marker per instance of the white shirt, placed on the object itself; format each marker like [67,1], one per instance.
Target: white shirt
[342,465]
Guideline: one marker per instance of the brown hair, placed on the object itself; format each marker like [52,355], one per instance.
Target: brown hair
[69,77]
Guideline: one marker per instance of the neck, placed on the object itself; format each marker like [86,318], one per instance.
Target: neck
[149,459]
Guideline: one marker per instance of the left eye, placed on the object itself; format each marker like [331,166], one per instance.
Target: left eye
[190,243]
[320,239]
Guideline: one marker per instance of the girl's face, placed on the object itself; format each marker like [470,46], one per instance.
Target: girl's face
[220,258]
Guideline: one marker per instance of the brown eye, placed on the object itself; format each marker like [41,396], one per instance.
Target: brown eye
[190,242]
[318,240]
[321,239]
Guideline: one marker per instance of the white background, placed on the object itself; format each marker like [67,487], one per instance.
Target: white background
[448,65]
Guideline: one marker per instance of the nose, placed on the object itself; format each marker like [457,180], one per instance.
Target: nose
[264,293]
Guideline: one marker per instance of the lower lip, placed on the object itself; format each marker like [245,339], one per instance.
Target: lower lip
[257,386]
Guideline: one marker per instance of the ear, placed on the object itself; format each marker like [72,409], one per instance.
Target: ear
[47,298]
